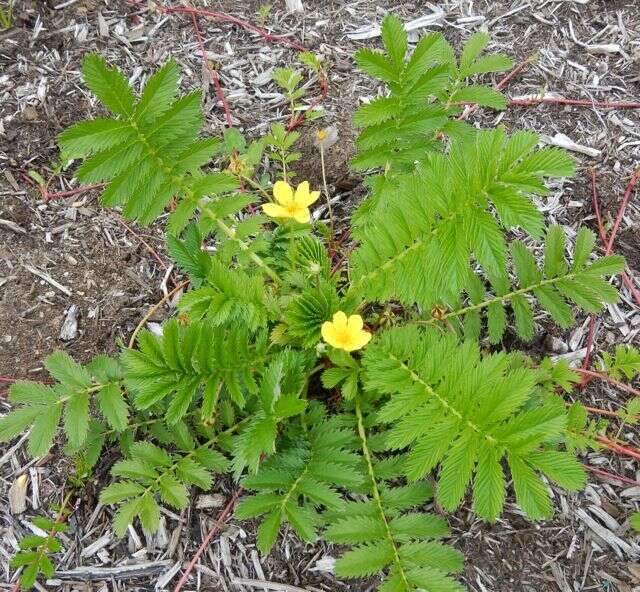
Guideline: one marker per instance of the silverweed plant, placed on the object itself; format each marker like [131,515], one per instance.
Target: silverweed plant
[344,399]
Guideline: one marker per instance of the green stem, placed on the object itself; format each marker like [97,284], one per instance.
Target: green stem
[393,260]
[376,494]
[256,186]
[503,298]
[179,181]
[231,233]
[42,549]
[429,390]
[292,489]
[190,454]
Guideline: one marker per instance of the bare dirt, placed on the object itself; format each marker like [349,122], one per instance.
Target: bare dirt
[585,49]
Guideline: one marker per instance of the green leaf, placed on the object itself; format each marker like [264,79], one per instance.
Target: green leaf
[159,92]
[43,431]
[302,519]
[108,84]
[65,369]
[151,454]
[531,493]
[355,529]
[149,512]
[173,492]
[124,516]
[490,63]
[585,242]
[456,472]
[31,541]
[14,423]
[33,393]
[89,137]
[120,491]
[497,321]
[489,487]
[552,162]
[419,525]
[29,575]
[472,48]
[181,400]
[634,521]
[256,505]
[477,94]
[523,317]
[268,531]
[133,468]
[76,419]
[610,265]
[189,256]
[377,65]
[394,38]
[433,580]
[555,305]
[288,406]
[365,560]
[192,472]
[432,554]
[46,566]
[113,406]
[554,264]
[561,467]
[23,558]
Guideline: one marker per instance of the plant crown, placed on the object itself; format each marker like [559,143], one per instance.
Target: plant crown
[349,447]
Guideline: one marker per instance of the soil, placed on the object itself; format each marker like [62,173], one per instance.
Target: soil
[111,273]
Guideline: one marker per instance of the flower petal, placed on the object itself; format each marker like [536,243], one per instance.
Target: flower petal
[305,197]
[355,323]
[329,333]
[360,340]
[340,320]
[302,215]
[302,191]
[275,210]
[312,198]
[283,192]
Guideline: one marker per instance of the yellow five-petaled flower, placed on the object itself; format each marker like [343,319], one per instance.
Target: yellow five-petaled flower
[345,333]
[289,204]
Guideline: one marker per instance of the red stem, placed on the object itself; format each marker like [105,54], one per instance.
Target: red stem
[589,345]
[619,448]
[47,196]
[592,317]
[607,244]
[215,77]
[608,475]
[599,375]
[623,206]
[324,91]
[470,108]
[577,102]
[236,21]
[599,411]
[149,248]
[205,543]
[512,74]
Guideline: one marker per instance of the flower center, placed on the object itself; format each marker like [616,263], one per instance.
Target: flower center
[292,207]
[344,337]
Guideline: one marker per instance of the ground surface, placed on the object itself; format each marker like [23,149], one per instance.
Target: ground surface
[107,277]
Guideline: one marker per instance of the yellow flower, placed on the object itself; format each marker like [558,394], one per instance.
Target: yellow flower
[290,205]
[345,333]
